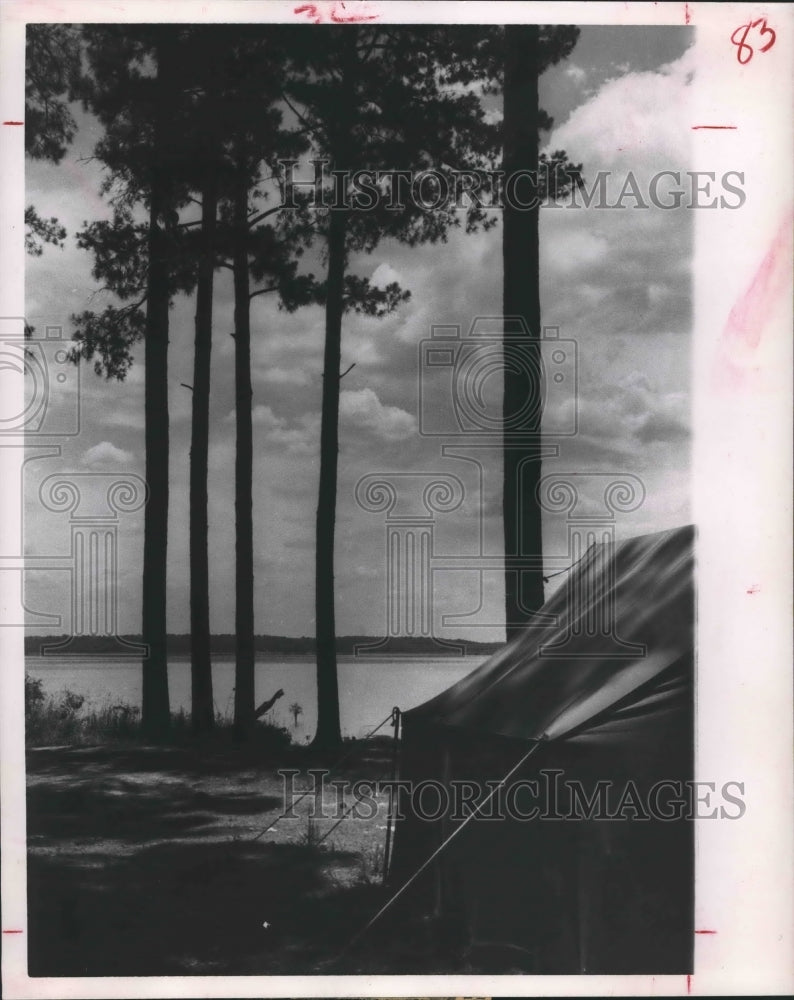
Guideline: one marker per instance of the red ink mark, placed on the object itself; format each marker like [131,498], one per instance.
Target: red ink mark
[754,309]
[710,932]
[338,14]
[750,590]
[687,16]
[312,12]
[745,319]
[689,984]
[350,18]
[696,127]
[13,123]
[744,51]
[13,932]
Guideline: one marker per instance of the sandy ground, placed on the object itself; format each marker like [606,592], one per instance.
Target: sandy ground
[153,861]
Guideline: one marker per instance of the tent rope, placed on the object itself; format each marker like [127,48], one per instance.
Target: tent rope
[341,819]
[396,715]
[395,719]
[443,846]
[311,791]
[550,576]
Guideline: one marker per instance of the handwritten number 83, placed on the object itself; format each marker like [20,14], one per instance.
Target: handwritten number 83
[745,51]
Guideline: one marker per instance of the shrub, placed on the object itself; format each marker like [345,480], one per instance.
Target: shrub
[34,695]
[51,720]
[270,737]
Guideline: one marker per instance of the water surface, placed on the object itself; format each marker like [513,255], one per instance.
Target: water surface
[368,687]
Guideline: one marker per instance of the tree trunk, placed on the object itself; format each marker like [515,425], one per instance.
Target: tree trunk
[328,735]
[522,467]
[244,700]
[155,710]
[203,717]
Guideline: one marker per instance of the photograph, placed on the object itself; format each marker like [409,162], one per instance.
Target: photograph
[397,560]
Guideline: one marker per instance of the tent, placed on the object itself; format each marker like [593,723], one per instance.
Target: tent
[600,691]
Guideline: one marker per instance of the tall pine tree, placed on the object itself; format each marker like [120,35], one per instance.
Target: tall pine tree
[247,74]
[132,88]
[376,98]
[528,51]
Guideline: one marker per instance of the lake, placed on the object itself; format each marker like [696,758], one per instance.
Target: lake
[368,687]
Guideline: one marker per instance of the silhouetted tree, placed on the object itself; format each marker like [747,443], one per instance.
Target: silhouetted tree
[266,257]
[199,74]
[132,87]
[529,49]
[52,67]
[247,74]
[375,98]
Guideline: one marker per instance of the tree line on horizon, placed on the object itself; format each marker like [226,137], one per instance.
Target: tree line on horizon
[196,121]
[225,643]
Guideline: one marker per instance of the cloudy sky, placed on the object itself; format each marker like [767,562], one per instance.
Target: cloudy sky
[617,282]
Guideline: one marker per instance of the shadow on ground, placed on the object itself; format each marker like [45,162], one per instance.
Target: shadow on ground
[144,862]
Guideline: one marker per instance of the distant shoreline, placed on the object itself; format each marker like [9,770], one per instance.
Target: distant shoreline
[292,647]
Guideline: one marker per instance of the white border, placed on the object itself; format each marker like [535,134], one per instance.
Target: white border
[743,477]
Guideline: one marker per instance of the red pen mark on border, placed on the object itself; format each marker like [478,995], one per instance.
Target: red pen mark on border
[708,932]
[745,51]
[13,123]
[12,932]
[753,310]
[689,984]
[350,18]
[311,10]
[687,15]
[730,127]
[750,311]
[338,14]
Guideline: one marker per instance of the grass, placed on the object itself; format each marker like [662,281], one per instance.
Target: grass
[370,865]
[64,720]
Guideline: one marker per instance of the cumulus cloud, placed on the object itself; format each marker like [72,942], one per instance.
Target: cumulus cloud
[617,282]
[104,454]
[575,73]
[263,416]
[665,425]
[286,376]
[641,117]
[625,270]
[363,409]
[573,249]
[384,274]
[301,438]
[296,437]
[635,412]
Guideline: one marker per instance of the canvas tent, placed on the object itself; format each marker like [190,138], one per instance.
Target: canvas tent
[602,691]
